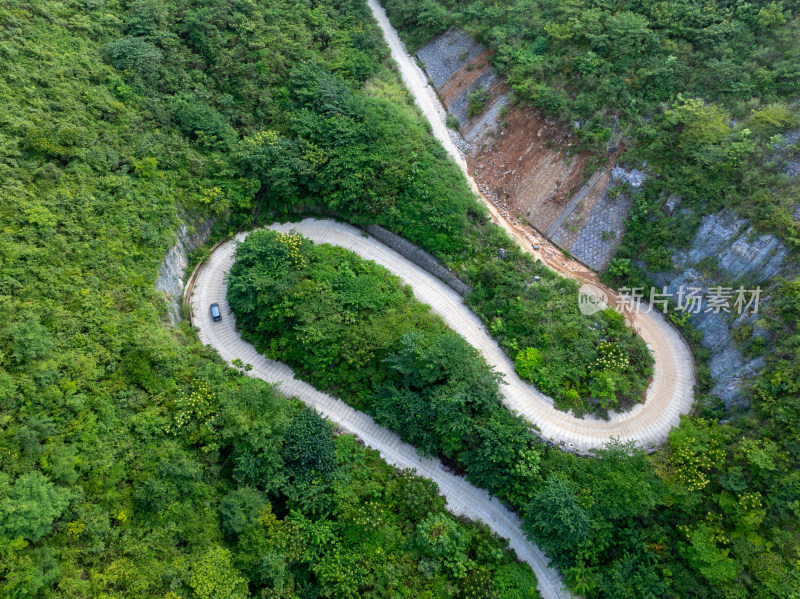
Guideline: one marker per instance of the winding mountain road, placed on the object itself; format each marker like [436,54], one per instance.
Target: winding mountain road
[208,285]
[671,392]
[649,421]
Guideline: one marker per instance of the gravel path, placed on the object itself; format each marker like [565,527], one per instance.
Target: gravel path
[462,498]
[670,394]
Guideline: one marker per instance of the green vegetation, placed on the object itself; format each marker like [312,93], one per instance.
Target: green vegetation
[365,156]
[526,314]
[350,327]
[477,101]
[589,59]
[704,92]
[133,462]
[452,122]
[681,520]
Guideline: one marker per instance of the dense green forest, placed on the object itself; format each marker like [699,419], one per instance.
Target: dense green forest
[134,463]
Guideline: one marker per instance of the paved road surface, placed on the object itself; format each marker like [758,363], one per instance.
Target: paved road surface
[462,498]
[669,395]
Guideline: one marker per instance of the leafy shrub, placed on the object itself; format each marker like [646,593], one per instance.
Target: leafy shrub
[452,122]
[477,101]
[135,54]
[30,505]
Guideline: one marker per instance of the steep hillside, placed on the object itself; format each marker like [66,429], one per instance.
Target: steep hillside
[531,167]
[134,462]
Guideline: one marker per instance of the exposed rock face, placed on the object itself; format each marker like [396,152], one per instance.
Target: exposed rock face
[172,272]
[594,222]
[790,164]
[458,66]
[672,204]
[635,177]
[741,253]
[523,163]
[727,251]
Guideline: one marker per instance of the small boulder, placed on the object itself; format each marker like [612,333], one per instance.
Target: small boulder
[671,204]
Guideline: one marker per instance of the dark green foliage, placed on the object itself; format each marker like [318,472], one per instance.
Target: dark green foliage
[308,447]
[242,507]
[367,158]
[133,462]
[704,93]
[699,90]
[30,505]
[477,101]
[114,115]
[598,519]
[350,327]
[524,314]
[556,520]
[590,59]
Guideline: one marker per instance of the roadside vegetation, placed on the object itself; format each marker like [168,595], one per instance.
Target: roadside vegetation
[703,92]
[620,524]
[355,330]
[135,464]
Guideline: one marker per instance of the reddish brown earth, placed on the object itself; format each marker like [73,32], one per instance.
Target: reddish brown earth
[531,169]
[465,77]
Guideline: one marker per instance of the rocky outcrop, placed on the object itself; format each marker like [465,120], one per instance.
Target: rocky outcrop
[727,251]
[635,177]
[172,273]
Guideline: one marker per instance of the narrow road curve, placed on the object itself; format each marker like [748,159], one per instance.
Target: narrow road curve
[209,286]
[671,392]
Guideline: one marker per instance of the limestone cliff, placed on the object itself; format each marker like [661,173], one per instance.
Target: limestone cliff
[172,273]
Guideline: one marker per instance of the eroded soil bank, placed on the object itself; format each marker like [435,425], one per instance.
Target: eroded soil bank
[528,166]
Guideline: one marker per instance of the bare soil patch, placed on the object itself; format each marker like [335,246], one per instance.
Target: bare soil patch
[528,167]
